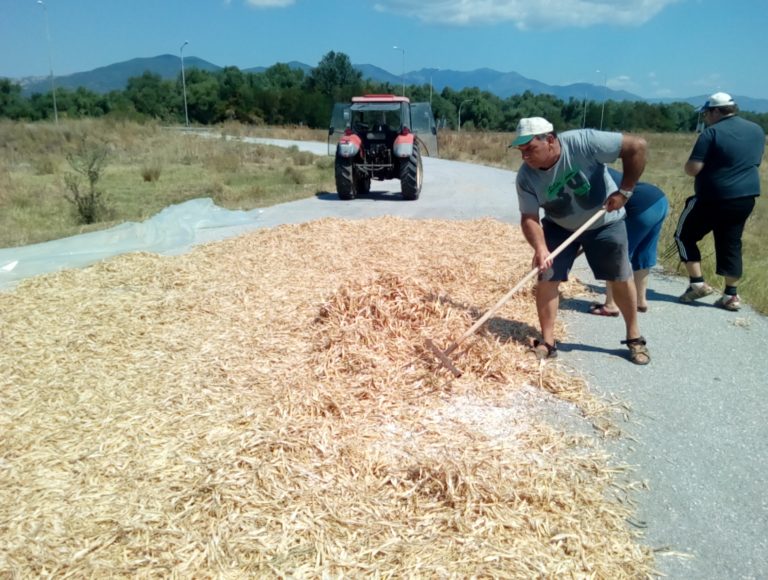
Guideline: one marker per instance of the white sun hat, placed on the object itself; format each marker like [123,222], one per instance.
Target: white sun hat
[718,100]
[529,127]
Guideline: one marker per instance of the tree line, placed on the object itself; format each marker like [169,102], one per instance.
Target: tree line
[282,95]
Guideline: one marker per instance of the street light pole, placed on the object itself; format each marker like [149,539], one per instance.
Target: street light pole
[50,61]
[402,76]
[460,106]
[184,83]
[605,96]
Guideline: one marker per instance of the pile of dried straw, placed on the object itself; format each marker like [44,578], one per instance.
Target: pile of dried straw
[265,406]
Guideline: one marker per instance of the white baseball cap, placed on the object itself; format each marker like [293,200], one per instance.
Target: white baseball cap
[529,127]
[718,100]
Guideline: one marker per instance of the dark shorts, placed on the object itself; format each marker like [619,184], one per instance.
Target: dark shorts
[605,249]
[725,219]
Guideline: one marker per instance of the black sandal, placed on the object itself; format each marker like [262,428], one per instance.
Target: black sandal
[638,352]
[542,350]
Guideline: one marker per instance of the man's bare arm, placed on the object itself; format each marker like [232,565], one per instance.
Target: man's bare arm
[634,154]
[693,168]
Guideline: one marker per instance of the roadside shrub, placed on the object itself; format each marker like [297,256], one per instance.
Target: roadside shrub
[303,158]
[151,172]
[293,175]
[324,162]
[88,161]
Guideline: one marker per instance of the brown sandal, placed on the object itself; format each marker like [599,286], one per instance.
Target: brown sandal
[542,350]
[638,352]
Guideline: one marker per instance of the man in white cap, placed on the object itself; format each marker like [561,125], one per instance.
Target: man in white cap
[724,162]
[566,176]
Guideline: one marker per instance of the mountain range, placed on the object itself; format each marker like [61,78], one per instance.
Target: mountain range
[503,84]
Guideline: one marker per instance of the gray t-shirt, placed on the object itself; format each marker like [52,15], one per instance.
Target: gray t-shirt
[574,188]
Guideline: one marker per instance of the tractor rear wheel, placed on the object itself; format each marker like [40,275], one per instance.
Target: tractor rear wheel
[345,184]
[412,175]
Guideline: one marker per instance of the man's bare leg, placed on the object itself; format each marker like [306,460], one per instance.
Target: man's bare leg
[694,269]
[641,286]
[547,303]
[625,295]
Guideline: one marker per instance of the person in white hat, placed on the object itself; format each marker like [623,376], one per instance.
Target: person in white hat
[566,176]
[724,163]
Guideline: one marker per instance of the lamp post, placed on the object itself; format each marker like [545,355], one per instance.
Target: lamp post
[50,61]
[402,76]
[184,83]
[464,102]
[605,96]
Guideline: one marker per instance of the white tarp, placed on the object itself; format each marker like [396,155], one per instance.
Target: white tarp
[172,231]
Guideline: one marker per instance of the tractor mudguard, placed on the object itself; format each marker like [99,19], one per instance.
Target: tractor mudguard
[403,146]
[349,146]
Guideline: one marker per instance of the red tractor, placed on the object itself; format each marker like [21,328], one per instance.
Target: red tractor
[381,137]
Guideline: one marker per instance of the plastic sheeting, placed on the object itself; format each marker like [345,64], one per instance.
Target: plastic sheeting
[172,231]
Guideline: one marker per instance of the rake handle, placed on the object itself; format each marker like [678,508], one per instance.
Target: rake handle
[524,281]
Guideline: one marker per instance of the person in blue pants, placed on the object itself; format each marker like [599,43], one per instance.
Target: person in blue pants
[646,211]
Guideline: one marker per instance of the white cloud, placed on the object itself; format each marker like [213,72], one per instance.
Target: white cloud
[525,14]
[269,3]
[711,81]
[623,83]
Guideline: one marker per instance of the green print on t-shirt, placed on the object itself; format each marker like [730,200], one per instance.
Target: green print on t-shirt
[575,182]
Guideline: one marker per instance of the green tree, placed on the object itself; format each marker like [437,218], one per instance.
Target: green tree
[335,77]
[203,102]
[12,104]
[151,95]
[236,94]
[282,77]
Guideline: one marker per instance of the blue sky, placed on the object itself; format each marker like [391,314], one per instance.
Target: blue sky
[653,48]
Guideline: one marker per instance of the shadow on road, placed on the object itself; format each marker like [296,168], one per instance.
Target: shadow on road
[381,195]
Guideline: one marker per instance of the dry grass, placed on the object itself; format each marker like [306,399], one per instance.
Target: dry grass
[263,406]
[148,169]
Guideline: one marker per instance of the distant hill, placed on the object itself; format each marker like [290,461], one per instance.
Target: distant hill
[503,84]
[511,83]
[115,76]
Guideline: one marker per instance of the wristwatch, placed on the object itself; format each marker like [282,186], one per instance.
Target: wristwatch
[626,193]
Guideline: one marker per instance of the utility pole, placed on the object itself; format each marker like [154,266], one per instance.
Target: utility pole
[50,61]
[184,83]
[605,96]
[460,106]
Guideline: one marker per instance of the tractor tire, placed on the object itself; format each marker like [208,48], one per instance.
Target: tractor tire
[345,184]
[412,175]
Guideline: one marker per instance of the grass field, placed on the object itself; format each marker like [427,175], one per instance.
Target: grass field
[149,167]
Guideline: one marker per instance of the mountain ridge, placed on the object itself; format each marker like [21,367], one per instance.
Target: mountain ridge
[502,84]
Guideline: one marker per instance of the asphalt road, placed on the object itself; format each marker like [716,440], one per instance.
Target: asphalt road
[697,433]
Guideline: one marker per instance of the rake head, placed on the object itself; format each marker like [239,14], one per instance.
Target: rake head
[443,357]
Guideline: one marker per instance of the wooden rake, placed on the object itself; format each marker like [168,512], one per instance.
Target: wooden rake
[444,355]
